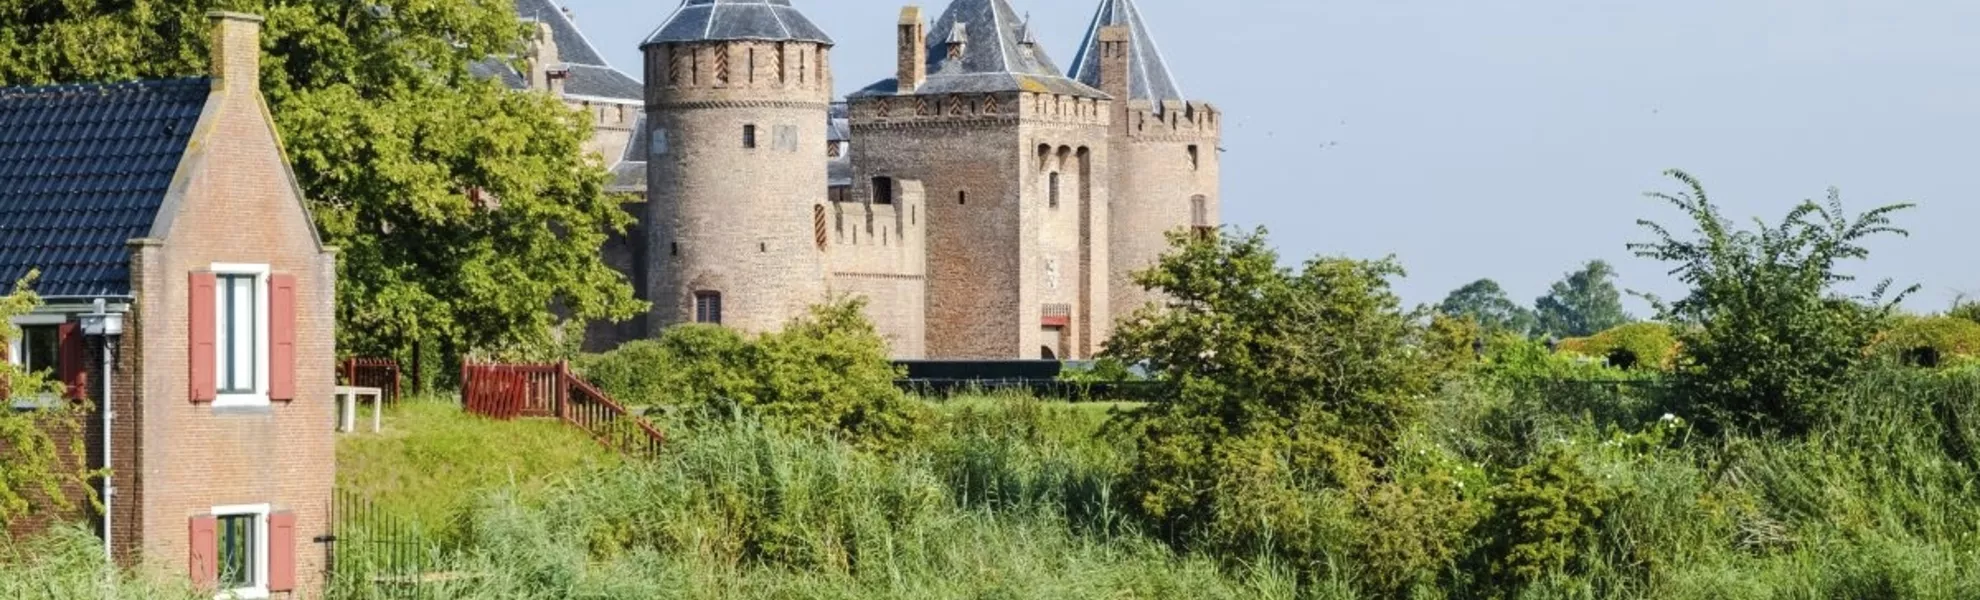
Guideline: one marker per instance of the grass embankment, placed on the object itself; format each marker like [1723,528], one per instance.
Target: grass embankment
[433,463]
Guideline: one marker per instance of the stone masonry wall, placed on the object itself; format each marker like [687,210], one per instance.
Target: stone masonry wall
[880,252]
[1167,161]
[727,218]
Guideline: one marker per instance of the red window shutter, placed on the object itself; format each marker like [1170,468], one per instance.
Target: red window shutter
[282,552]
[74,361]
[203,562]
[282,337]
[200,338]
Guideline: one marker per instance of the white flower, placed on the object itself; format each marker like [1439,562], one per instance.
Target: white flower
[1669,417]
[1207,354]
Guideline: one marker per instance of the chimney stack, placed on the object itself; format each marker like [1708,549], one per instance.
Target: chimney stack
[913,50]
[1114,62]
[236,49]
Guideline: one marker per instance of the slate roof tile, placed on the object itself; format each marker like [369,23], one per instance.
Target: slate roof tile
[1149,77]
[725,20]
[84,170]
[995,58]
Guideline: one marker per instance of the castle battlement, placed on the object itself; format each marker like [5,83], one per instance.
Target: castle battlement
[1175,119]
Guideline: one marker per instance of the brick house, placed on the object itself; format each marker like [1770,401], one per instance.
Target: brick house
[169,207]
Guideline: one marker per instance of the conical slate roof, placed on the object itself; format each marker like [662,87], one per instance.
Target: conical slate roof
[725,20]
[1148,74]
[995,57]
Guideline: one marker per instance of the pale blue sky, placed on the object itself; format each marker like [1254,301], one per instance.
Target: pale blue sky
[1513,139]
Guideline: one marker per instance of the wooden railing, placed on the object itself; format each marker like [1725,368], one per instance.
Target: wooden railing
[508,392]
[380,373]
[607,421]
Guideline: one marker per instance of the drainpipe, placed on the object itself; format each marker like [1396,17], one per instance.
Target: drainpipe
[107,327]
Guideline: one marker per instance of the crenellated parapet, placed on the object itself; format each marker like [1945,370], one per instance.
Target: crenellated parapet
[762,71]
[1173,119]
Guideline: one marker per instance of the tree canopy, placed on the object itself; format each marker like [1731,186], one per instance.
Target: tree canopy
[465,211]
[1766,335]
[1585,303]
[1486,303]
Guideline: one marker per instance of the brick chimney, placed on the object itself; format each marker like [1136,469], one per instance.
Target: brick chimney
[913,50]
[1114,62]
[236,50]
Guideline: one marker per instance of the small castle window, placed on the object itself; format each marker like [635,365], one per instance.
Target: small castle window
[749,136]
[708,307]
[1053,194]
[883,190]
[675,248]
[962,198]
[1193,158]
[1199,215]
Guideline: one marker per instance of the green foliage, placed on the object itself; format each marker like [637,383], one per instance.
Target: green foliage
[433,463]
[1765,337]
[1929,341]
[1965,310]
[1485,303]
[1286,394]
[1644,345]
[827,372]
[1583,303]
[69,563]
[1544,521]
[389,134]
[41,451]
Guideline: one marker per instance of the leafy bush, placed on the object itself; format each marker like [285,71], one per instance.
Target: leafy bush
[1929,341]
[1286,394]
[826,372]
[1543,522]
[1646,345]
[1765,338]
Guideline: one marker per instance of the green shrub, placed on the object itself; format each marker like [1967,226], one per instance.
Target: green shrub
[1929,341]
[826,372]
[1645,345]
[1543,522]
[1767,338]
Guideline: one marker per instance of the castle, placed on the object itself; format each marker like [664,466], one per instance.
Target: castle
[986,203]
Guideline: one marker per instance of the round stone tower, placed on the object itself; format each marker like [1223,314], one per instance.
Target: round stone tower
[738,96]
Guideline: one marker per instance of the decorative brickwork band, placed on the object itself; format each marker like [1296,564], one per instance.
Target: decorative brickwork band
[724,104]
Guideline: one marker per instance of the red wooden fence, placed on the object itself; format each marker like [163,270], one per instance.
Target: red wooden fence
[381,373]
[550,390]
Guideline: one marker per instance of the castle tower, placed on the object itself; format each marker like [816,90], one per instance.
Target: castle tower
[1011,156]
[737,96]
[1165,169]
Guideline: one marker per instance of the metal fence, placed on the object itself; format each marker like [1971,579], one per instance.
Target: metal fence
[377,554]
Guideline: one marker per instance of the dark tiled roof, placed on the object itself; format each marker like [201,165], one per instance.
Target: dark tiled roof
[629,173]
[1148,74]
[590,75]
[83,170]
[718,20]
[572,46]
[995,57]
[603,82]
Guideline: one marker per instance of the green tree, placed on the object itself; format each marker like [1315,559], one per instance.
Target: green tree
[1586,302]
[1486,303]
[464,211]
[41,450]
[1285,394]
[1769,336]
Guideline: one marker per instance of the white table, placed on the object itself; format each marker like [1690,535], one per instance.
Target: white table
[349,396]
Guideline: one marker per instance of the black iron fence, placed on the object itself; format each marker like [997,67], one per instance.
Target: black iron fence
[1040,378]
[376,554]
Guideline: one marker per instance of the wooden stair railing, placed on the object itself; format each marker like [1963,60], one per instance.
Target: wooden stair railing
[507,392]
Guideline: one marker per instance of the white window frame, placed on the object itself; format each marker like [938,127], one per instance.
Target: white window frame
[258,397]
[260,513]
[16,355]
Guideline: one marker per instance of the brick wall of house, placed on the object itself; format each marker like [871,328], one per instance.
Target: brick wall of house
[723,217]
[239,206]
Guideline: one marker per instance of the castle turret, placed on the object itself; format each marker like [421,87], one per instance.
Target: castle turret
[1165,168]
[737,95]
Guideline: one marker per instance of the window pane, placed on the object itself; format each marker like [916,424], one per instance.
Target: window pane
[237,316]
[237,536]
[40,348]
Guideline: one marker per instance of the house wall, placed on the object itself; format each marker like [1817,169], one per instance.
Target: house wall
[234,201]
